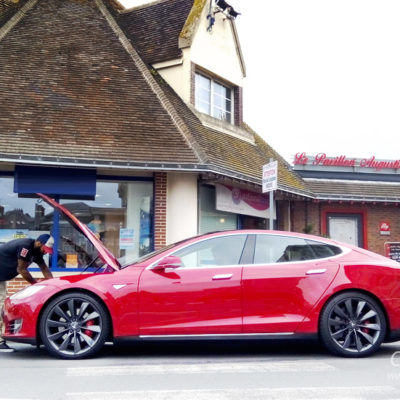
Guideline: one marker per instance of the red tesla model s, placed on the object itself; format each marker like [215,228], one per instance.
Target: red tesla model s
[233,284]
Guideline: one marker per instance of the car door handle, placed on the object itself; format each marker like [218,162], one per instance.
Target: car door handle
[222,276]
[316,271]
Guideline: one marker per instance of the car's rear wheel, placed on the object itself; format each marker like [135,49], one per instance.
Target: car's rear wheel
[352,324]
[74,325]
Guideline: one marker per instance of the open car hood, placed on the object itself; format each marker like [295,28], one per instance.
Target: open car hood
[104,253]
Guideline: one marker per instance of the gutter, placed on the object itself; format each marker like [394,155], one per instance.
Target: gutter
[139,166]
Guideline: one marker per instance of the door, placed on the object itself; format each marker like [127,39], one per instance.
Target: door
[284,282]
[202,296]
[345,228]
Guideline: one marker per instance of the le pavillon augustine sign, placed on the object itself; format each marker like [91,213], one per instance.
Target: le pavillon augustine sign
[342,161]
[240,201]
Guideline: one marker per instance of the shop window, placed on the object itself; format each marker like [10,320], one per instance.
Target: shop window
[120,216]
[213,98]
[212,220]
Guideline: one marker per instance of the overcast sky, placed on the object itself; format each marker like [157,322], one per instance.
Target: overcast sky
[322,76]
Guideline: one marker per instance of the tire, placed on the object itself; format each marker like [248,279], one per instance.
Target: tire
[352,324]
[74,326]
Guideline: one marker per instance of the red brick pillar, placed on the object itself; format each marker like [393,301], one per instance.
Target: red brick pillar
[160,209]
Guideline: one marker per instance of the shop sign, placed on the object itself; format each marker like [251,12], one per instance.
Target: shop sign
[241,201]
[384,228]
[322,160]
[270,177]
[392,250]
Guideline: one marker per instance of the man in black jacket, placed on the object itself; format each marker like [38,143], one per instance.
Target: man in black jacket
[15,258]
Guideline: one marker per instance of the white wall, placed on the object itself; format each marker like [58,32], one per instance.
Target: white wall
[182,206]
[217,51]
[178,76]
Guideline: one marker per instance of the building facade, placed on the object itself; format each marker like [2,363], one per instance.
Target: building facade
[133,119]
[356,200]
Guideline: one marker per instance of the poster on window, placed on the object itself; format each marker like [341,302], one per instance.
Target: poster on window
[241,201]
[126,238]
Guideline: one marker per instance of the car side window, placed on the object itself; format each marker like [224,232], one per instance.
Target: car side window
[224,250]
[277,249]
[323,250]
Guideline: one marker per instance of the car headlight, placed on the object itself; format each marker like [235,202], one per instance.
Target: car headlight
[26,292]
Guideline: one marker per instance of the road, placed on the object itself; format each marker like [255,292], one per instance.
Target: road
[199,371]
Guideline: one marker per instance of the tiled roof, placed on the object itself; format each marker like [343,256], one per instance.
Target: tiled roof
[8,9]
[231,153]
[354,190]
[154,29]
[74,89]
[70,89]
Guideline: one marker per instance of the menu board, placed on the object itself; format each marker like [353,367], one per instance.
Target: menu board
[392,250]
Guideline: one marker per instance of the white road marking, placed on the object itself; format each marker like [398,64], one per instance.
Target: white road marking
[250,367]
[300,393]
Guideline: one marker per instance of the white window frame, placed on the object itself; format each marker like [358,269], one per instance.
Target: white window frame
[214,82]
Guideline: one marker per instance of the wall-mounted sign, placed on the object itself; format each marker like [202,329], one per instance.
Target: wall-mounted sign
[270,177]
[392,250]
[241,201]
[384,228]
[322,160]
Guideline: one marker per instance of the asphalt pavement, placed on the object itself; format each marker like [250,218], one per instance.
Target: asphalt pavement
[199,371]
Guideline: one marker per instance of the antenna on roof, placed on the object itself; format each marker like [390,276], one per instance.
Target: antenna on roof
[223,7]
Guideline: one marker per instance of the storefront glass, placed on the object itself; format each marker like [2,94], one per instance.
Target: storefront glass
[212,219]
[120,215]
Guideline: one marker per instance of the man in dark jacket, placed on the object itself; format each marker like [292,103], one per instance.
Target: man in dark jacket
[15,258]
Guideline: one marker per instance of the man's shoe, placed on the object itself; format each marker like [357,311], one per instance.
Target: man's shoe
[5,349]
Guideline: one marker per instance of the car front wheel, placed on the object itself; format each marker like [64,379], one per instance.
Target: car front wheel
[352,324]
[74,325]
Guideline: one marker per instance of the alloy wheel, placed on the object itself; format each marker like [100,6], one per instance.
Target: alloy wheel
[74,326]
[354,324]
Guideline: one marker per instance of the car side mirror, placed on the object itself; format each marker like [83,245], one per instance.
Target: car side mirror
[168,262]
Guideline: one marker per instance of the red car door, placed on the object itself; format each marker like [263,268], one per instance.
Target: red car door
[202,296]
[285,281]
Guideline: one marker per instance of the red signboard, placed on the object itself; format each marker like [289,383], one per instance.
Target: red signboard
[384,227]
[322,160]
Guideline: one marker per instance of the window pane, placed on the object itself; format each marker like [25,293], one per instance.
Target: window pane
[203,107]
[22,217]
[203,94]
[120,216]
[323,250]
[213,252]
[222,102]
[273,249]
[212,220]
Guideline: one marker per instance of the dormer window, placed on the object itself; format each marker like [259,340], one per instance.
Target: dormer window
[213,98]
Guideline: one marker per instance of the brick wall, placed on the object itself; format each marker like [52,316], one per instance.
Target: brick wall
[312,213]
[15,285]
[160,209]
[238,105]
